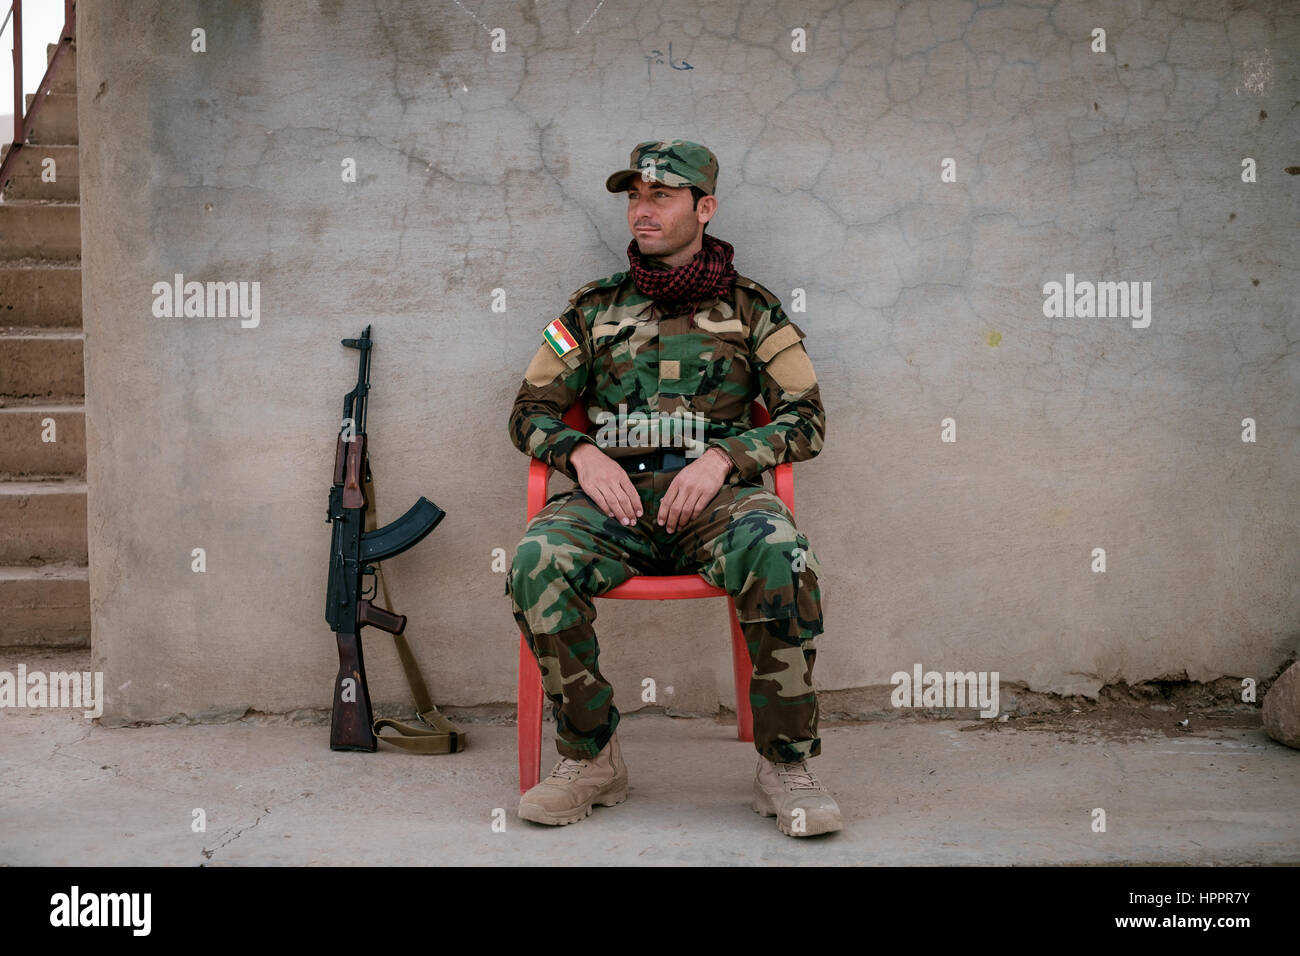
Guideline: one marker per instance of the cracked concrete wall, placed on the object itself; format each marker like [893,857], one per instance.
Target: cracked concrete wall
[479,170]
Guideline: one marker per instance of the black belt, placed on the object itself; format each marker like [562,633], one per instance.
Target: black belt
[659,460]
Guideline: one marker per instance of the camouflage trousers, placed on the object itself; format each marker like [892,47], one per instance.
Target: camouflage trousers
[743,541]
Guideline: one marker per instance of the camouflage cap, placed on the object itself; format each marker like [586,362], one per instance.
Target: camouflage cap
[675,162]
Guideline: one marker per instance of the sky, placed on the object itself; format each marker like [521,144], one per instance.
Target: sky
[42,22]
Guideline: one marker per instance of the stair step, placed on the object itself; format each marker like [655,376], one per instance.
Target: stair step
[31,159]
[40,230]
[26,175]
[42,294]
[42,363]
[56,121]
[63,82]
[66,188]
[22,431]
[47,606]
[43,521]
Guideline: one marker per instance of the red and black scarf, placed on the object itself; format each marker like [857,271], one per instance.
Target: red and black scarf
[709,274]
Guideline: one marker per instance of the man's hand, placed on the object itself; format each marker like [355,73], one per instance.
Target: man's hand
[693,488]
[606,483]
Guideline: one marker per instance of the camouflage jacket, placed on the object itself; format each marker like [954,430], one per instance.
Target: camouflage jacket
[620,350]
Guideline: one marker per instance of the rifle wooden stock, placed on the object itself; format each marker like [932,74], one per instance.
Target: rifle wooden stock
[352,723]
[354,495]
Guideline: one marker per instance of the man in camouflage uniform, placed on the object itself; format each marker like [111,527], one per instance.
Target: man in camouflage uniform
[668,357]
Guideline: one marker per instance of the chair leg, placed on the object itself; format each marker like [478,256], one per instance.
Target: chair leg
[529,721]
[742,668]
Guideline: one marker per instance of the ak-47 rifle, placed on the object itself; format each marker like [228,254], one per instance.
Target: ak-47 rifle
[354,554]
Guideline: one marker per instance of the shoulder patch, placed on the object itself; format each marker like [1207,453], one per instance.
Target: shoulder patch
[560,337]
[792,369]
[779,341]
[545,368]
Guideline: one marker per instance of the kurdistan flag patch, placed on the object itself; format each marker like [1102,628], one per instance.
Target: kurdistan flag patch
[560,338]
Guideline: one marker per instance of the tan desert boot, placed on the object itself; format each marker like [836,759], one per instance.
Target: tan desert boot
[567,795]
[792,793]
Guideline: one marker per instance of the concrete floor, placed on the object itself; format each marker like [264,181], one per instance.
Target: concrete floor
[912,792]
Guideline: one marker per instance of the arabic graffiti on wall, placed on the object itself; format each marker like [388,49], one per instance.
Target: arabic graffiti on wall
[657,56]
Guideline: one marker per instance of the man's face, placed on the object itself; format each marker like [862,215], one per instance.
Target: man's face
[663,222]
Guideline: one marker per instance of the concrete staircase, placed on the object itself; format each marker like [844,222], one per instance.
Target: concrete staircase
[44,577]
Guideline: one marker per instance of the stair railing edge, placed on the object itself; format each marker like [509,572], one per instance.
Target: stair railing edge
[67,40]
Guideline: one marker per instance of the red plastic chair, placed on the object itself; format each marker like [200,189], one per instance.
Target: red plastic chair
[666,587]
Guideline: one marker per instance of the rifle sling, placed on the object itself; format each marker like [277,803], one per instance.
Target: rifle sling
[439,735]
